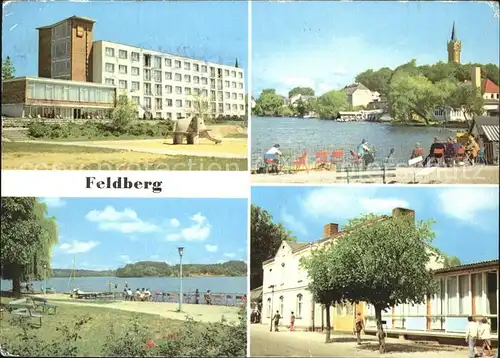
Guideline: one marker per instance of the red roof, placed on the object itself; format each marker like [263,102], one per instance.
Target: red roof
[489,87]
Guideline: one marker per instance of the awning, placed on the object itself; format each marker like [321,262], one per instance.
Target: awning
[491,132]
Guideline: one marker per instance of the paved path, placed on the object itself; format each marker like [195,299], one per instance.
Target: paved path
[477,174]
[307,344]
[116,145]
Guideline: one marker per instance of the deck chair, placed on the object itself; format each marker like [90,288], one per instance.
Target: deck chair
[302,161]
[321,160]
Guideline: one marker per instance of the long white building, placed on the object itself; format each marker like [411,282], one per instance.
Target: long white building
[168,85]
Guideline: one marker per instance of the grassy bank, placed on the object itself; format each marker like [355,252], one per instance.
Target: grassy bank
[100,331]
[39,156]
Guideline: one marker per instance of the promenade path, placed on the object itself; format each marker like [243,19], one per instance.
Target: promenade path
[308,344]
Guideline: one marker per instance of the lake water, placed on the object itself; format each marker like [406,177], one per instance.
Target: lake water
[313,135]
[228,285]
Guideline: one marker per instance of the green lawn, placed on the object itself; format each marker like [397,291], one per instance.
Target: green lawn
[93,333]
[30,156]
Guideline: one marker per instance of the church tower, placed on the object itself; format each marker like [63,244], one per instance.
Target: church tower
[454,47]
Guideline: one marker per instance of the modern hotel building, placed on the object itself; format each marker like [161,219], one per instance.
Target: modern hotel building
[161,84]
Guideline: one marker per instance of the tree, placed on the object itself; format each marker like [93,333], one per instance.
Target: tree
[375,80]
[8,70]
[451,261]
[330,104]
[200,107]
[381,261]
[467,98]
[305,91]
[236,63]
[27,239]
[123,114]
[266,238]
[269,103]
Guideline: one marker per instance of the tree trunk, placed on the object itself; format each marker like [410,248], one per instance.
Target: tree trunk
[328,326]
[380,329]
[16,286]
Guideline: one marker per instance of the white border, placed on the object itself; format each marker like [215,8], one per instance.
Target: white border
[176,184]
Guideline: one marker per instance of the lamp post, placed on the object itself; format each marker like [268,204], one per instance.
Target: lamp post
[181,252]
[272,307]
[45,272]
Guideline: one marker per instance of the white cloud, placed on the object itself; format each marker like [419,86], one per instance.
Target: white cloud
[174,222]
[77,247]
[467,204]
[198,231]
[125,258]
[125,221]
[230,255]
[348,202]
[53,202]
[211,248]
[292,223]
[325,63]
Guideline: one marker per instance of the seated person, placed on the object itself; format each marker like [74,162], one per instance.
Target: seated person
[365,153]
[436,145]
[417,151]
[147,294]
[449,152]
[273,154]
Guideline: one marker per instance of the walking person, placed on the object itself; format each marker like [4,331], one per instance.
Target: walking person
[471,336]
[276,319]
[292,322]
[484,335]
[359,325]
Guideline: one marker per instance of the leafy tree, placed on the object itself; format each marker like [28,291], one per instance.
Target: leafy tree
[330,104]
[123,114]
[285,111]
[451,261]
[381,261]
[26,240]
[305,91]
[468,98]
[376,80]
[200,108]
[8,70]
[265,237]
[269,103]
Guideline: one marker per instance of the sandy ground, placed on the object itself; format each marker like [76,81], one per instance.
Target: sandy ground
[229,148]
[307,344]
[477,174]
[203,313]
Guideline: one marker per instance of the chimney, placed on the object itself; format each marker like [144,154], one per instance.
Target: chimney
[402,211]
[476,77]
[330,230]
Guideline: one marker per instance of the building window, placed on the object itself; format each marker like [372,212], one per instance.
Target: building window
[452,288]
[240,85]
[168,75]
[158,114]
[157,76]
[109,67]
[177,64]
[122,69]
[233,84]
[233,96]
[158,103]
[168,102]
[212,83]
[212,71]
[282,305]
[187,66]
[135,86]
[204,80]
[204,69]
[187,90]
[226,72]
[136,100]
[147,75]
[226,83]
[187,78]
[147,102]
[178,77]
[269,308]
[196,67]
[168,62]
[240,96]
[196,91]
[204,93]
[169,115]
[464,303]
[235,108]
[168,89]
[109,81]
[187,103]
[240,74]
[242,107]
[221,107]
[110,52]
[298,310]
[135,71]
[220,96]
[178,103]
[179,115]
[233,73]
[178,90]
[228,107]
[227,95]
[196,79]
[122,54]
[157,62]
[135,56]
[122,84]
[147,89]
[158,90]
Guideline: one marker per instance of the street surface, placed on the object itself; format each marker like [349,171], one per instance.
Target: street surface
[307,344]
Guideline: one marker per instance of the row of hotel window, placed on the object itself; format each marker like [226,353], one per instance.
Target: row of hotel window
[158,90]
[70,93]
[183,104]
[169,76]
[157,63]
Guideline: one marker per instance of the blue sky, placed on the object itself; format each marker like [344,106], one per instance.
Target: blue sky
[109,233]
[325,44]
[466,217]
[212,31]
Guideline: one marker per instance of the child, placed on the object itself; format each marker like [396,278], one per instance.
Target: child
[484,336]
[471,336]
[292,322]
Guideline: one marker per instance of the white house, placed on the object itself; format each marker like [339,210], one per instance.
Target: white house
[358,95]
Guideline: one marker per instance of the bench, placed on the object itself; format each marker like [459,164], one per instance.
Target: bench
[42,302]
[358,173]
[27,312]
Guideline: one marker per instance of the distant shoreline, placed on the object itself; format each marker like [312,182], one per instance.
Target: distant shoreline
[193,276]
